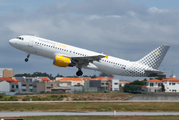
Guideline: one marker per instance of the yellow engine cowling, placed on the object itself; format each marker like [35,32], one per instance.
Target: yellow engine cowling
[61,61]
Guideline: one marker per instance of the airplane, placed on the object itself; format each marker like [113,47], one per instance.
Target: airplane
[64,55]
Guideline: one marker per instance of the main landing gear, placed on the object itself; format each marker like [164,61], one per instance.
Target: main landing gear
[79,73]
[27,59]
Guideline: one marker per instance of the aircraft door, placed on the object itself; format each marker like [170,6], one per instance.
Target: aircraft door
[31,46]
[30,43]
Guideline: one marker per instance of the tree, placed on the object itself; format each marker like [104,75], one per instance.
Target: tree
[137,82]
[163,88]
[58,75]
[35,74]
[132,88]
[105,75]
[94,76]
[159,78]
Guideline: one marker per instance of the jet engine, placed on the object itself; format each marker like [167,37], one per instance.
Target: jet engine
[62,61]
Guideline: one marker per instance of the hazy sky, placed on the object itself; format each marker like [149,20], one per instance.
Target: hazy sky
[128,29]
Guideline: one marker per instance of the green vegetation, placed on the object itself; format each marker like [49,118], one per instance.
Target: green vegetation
[1,96]
[68,97]
[109,109]
[79,99]
[92,106]
[33,97]
[163,88]
[12,109]
[21,109]
[132,88]
[137,82]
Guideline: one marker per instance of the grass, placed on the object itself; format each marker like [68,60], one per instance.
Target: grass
[101,118]
[75,97]
[92,106]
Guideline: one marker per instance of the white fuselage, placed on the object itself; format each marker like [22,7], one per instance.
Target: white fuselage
[47,48]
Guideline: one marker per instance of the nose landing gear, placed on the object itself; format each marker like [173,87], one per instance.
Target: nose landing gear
[27,59]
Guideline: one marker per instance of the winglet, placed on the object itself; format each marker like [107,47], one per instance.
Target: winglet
[106,56]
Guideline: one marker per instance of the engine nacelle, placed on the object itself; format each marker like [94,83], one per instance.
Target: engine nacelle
[61,61]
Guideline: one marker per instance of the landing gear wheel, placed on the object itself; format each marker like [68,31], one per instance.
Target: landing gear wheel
[26,60]
[79,73]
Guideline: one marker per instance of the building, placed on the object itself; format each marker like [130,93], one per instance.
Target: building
[154,85]
[6,72]
[122,83]
[15,86]
[99,84]
[7,79]
[92,85]
[4,86]
[61,90]
[115,85]
[69,81]
[25,87]
[43,86]
[171,84]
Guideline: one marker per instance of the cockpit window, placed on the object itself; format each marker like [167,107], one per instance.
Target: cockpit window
[20,38]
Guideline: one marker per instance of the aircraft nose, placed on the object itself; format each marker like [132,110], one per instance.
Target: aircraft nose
[11,42]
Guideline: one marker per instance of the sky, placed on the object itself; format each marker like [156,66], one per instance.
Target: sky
[127,29]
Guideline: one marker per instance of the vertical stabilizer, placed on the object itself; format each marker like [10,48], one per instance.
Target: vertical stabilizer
[154,58]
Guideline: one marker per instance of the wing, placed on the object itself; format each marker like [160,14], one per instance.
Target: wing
[87,59]
[84,60]
[155,73]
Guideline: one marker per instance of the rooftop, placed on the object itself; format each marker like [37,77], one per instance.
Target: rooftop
[154,80]
[8,79]
[171,79]
[102,78]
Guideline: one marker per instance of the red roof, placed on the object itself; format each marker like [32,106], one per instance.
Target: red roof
[154,80]
[125,81]
[17,81]
[85,78]
[29,77]
[171,79]
[44,78]
[8,79]
[70,78]
[102,78]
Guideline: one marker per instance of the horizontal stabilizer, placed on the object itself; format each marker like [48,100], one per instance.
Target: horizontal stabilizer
[155,73]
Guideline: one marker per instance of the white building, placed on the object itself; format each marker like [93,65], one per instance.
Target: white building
[4,87]
[115,85]
[170,85]
[153,85]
